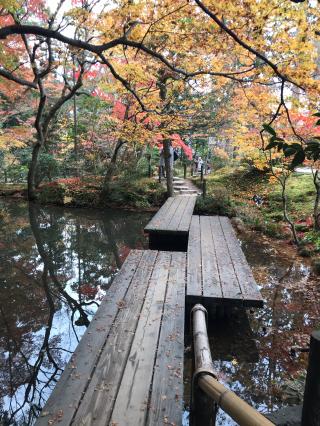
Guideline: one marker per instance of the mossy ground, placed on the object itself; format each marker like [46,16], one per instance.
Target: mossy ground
[133,194]
[230,192]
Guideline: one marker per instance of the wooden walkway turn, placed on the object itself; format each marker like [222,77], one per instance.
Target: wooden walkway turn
[128,367]
[217,270]
[169,228]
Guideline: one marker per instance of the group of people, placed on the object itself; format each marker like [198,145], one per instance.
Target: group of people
[198,163]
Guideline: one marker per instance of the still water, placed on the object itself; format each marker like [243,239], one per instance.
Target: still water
[56,266]
[261,354]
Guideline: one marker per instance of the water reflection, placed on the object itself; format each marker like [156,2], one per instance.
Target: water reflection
[56,266]
[278,333]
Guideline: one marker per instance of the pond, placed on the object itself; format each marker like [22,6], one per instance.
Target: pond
[261,354]
[56,265]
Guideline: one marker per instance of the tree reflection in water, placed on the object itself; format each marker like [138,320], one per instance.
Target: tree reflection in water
[56,266]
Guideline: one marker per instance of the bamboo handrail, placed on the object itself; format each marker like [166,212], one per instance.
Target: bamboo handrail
[205,380]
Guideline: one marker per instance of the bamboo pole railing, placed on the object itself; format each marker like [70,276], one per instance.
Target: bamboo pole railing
[207,392]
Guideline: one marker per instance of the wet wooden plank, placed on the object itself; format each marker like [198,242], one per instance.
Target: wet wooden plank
[194,265]
[64,400]
[161,217]
[211,281]
[249,289]
[131,403]
[217,270]
[96,407]
[187,215]
[175,219]
[174,216]
[166,401]
[231,290]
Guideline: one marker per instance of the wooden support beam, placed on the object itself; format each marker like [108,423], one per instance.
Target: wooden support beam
[311,401]
[206,388]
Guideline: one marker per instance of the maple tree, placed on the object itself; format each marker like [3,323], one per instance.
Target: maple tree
[148,47]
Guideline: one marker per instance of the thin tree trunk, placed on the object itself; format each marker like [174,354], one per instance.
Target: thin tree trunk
[285,211]
[33,171]
[112,165]
[75,122]
[169,169]
[316,207]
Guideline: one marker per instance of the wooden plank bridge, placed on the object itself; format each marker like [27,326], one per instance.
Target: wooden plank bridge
[128,367]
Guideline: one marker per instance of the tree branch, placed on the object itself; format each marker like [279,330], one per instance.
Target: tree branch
[9,76]
[245,45]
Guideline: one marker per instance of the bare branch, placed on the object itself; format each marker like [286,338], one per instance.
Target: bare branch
[9,76]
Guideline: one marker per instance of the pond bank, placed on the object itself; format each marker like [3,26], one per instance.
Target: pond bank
[233,192]
[143,194]
[58,264]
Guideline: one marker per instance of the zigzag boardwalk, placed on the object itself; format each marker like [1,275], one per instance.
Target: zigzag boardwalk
[128,367]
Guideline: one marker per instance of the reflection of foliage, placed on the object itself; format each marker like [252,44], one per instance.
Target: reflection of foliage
[54,273]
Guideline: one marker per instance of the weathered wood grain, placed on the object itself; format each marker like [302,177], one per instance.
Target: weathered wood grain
[211,279]
[64,400]
[185,219]
[194,264]
[131,403]
[166,401]
[173,217]
[217,271]
[249,289]
[97,404]
[129,366]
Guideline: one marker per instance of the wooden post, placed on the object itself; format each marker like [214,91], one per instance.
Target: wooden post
[160,171]
[311,400]
[206,389]
[203,408]
[204,188]
[149,165]
[184,170]
[202,172]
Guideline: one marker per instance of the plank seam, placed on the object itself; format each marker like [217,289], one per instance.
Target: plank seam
[105,343]
[201,265]
[216,257]
[157,347]
[129,349]
[232,262]
[172,216]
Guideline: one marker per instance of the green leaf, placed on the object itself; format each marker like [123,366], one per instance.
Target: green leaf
[271,144]
[298,159]
[289,151]
[317,114]
[296,146]
[269,129]
[280,146]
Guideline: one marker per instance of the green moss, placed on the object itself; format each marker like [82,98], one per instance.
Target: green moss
[140,193]
[240,185]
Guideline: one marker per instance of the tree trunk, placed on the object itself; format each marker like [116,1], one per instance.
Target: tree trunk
[169,169]
[112,166]
[285,212]
[316,207]
[33,171]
